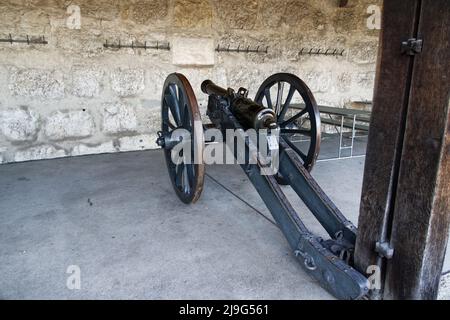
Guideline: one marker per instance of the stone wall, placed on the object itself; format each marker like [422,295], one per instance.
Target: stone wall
[74,97]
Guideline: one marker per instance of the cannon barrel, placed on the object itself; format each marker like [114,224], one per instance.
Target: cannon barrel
[210,87]
[249,113]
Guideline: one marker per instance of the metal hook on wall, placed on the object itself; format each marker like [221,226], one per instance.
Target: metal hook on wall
[136,45]
[320,51]
[238,49]
[28,40]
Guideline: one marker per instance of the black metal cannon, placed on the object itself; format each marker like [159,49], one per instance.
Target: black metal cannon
[293,115]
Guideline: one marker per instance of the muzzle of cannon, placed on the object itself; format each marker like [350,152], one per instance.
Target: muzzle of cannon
[283,104]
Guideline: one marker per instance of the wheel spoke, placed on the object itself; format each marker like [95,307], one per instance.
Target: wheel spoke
[174,104]
[182,102]
[297,150]
[190,174]
[268,98]
[172,111]
[297,116]
[186,118]
[186,181]
[179,170]
[296,131]
[169,124]
[279,98]
[287,103]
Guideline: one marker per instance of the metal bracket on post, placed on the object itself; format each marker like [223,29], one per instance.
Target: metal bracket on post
[384,250]
[412,46]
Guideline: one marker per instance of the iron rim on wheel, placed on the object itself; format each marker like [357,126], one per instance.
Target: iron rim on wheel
[179,110]
[292,116]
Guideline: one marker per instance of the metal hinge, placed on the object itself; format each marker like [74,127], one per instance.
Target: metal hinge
[384,250]
[412,46]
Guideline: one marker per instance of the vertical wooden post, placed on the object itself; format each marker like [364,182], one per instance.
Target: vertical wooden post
[422,205]
[386,132]
[406,191]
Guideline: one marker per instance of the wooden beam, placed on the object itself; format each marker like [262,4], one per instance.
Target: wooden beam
[422,206]
[386,132]
[406,189]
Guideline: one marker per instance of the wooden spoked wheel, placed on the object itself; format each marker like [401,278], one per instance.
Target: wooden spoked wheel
[297,115]
[180,111]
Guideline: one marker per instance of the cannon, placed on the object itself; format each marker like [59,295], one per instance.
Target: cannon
[284,110]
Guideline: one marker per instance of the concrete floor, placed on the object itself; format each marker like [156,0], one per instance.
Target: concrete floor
[118,219]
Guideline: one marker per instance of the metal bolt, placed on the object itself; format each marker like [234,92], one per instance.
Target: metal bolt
[384,249]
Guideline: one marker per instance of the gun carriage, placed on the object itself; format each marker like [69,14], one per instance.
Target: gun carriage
[329,261]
